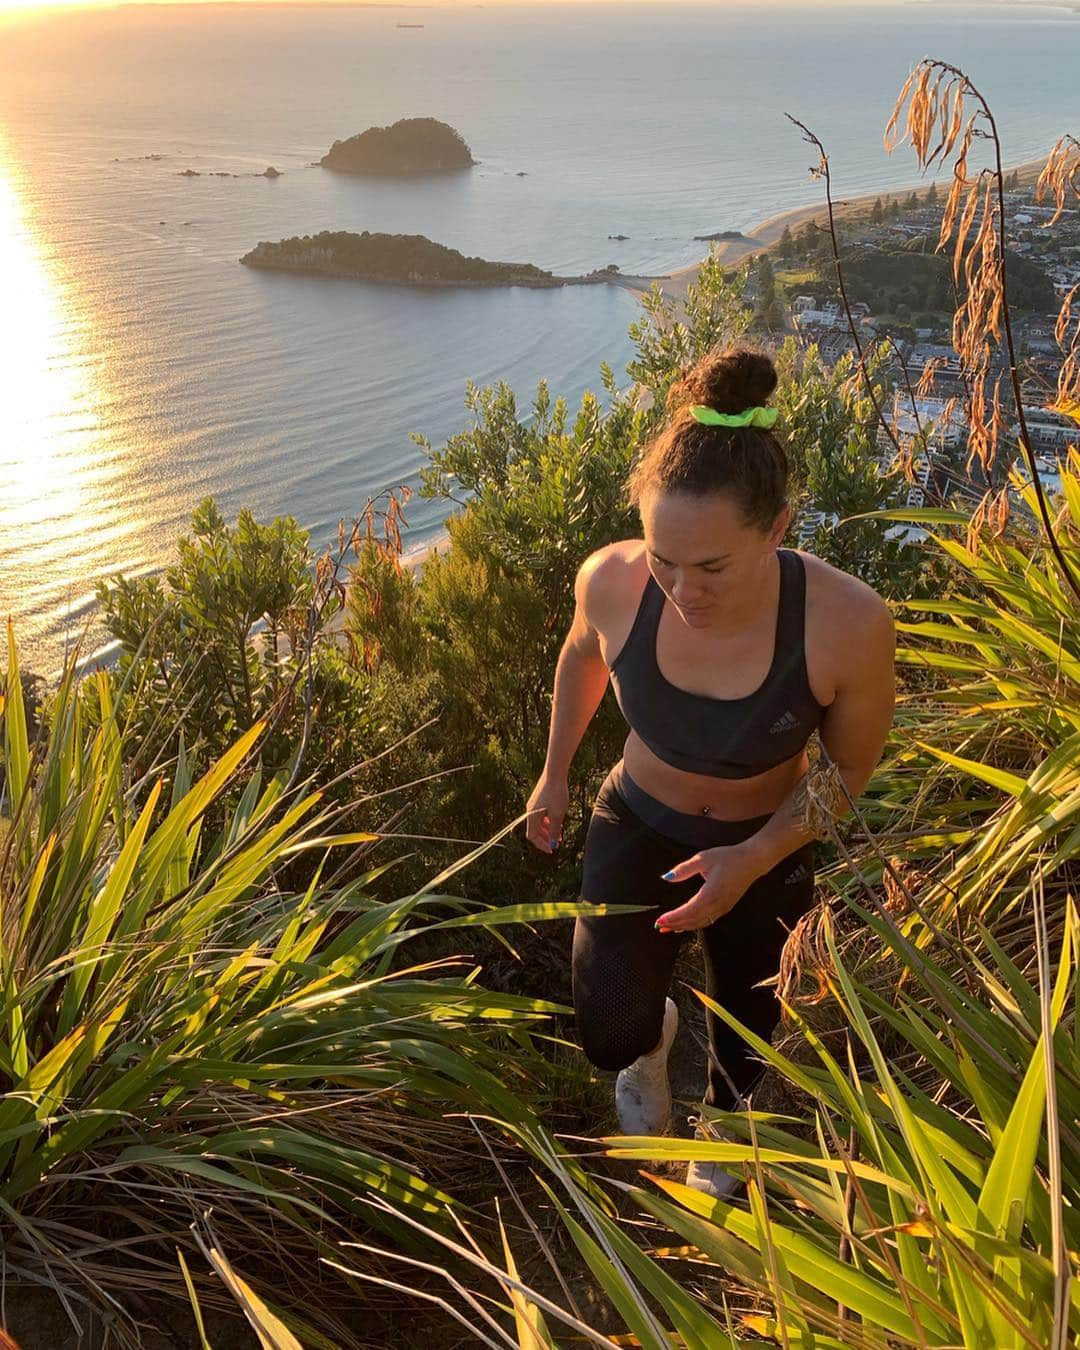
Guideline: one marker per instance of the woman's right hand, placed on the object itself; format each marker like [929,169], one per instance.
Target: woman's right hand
[547,804]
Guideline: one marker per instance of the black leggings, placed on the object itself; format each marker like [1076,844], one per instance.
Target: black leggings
[622,965]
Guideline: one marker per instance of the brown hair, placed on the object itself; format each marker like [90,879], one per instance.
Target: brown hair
[748,462]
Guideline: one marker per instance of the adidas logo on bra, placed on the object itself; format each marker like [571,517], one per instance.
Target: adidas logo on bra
[784,723]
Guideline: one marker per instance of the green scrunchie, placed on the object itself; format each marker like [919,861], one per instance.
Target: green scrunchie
[750,417]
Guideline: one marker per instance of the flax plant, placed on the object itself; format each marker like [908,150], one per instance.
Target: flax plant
[926,1198]
[182,1032]
[983,773]
[927,1206]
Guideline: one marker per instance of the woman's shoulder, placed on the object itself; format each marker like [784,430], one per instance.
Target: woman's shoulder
[610,577]
[834,591]
[615,565]
[838,603]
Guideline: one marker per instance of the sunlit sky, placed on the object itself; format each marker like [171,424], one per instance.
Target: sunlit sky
[31,6]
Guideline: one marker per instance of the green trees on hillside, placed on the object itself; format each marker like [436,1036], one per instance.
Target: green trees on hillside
[188,664]
[441,678]
[921,278]
[769,309]
[473,639]
[831,438]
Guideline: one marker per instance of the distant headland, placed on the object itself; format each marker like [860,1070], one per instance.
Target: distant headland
[412,145]
[720,235]
[403,259]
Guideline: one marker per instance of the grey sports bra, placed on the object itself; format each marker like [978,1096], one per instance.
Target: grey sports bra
[724,738]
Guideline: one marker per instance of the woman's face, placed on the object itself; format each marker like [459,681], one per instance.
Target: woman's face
[703,554]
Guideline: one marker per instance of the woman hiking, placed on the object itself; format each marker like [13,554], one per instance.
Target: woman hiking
[725,652]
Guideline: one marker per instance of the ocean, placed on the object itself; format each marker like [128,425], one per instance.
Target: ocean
[142,368]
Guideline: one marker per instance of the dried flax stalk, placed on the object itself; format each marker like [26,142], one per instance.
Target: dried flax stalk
[820,798]
[931,370]
[1060,176]
[989,518]
[1067,333]
[934,96]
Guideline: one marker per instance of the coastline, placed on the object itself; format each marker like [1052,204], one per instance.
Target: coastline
[419,556]
[768,233]
[674,284]
[430,283]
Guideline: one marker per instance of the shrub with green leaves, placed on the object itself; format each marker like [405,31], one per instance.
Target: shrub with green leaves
[986,747]
[187,640]
[182,1030]
[481,626]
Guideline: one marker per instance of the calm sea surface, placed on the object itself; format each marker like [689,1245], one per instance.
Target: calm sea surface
[142,368]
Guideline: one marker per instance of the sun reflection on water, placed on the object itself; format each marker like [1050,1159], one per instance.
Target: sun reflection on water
[54,468]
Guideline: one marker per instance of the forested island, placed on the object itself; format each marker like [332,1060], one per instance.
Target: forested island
[720,235]
[411,145]
[405,259]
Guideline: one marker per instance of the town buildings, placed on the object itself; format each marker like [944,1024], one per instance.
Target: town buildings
[931,388]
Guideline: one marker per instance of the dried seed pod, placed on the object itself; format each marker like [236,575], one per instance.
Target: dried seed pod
[1067,333]
[804,954]
[930,371]
[820,798]
[1060,176]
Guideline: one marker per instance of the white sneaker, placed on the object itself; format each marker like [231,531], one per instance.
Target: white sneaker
[708,1177]
[642,1090]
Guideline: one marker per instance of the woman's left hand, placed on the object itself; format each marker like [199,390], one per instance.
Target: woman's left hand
[729,872]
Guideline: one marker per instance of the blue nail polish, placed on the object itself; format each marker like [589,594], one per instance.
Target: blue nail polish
[669,876]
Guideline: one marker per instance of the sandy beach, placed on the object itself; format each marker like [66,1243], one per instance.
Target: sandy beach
[732,251]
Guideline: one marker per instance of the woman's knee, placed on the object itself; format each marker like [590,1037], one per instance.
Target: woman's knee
[619,983]
[612,1048]
[614,1031]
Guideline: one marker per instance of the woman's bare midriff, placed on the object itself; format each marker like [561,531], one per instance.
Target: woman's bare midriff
[698,794]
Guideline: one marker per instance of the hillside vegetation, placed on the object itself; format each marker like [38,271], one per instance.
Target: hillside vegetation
[284,992]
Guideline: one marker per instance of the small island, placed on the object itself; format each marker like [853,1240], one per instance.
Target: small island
[402,259]
[720,234]
[413,145]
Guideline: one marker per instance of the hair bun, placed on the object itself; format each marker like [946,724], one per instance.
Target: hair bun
[730,380]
